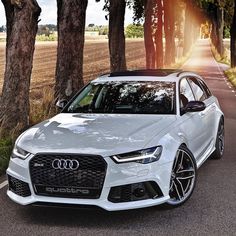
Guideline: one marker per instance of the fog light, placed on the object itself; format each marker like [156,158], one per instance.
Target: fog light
[139,192]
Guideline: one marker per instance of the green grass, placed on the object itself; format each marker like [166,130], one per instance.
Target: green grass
[45,38]
[6,146]
[224,59]
[231,74]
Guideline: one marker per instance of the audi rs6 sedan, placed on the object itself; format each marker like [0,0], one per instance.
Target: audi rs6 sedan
[128,140]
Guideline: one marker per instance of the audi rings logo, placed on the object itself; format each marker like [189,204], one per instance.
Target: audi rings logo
[62,164]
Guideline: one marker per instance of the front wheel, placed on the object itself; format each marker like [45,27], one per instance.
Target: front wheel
[183,177]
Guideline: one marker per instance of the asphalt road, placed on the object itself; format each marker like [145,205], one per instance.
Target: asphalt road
[210,211]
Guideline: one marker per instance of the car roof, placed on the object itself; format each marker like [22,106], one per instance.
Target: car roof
[168,75]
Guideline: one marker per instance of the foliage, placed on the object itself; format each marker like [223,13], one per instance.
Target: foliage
[209,7]
[43,29]
[46,29]
[227,32]
[102,29]
[138,9]
[45,38]
[6,146]
[222,59]
[134,31]
[231,74]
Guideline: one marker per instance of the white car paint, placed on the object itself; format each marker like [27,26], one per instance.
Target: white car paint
[111,134]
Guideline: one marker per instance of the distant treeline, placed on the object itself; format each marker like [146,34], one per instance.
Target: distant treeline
[47,29]
[131,31]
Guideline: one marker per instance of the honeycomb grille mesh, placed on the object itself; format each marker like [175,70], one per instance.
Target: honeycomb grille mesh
[89,176]
[18,187]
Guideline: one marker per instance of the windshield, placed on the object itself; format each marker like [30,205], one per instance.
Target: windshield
[121,97]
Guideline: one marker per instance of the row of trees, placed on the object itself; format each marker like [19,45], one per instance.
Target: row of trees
[169,18]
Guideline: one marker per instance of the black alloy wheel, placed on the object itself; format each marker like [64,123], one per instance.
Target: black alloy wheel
[183,177]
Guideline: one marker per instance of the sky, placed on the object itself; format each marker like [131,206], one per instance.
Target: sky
[95,15]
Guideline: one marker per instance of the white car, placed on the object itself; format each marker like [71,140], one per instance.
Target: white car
[127,140]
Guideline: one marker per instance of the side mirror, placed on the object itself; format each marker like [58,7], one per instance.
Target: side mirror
[61,103]
[194,106]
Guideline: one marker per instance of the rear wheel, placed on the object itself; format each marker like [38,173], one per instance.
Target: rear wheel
[183,177]
[220,142]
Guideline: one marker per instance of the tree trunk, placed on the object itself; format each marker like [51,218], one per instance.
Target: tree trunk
[233,39]
[220,31]
[148,39]
[22,22]
[69,67]
[116,35]
[169,27]
[214,32]
[188,29]
[9,11]
[159,35]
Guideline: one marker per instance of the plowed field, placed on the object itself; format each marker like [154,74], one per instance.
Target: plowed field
[96,62]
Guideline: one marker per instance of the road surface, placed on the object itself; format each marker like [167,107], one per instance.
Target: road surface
[210,211]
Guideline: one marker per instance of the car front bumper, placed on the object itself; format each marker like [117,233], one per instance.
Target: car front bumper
[116,175]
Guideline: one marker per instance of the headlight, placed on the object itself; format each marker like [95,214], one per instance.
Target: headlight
[144,156]
[19,153]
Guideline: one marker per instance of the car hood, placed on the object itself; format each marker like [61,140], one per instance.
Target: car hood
[100,134]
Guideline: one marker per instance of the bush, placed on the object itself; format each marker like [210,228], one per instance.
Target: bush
[134,31]
[231,74]
[226,32]
[44,38]
[6,146]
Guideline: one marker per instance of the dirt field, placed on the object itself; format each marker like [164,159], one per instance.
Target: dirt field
[96,62]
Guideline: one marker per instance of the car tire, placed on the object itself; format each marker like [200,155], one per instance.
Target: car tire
[220,143]
[183,177]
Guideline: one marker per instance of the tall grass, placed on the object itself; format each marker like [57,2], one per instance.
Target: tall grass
[231,74]
[42,105]
[41,109]
[225,59]
[6,146]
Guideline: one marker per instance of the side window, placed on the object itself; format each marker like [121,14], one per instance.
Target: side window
[199,93]
[205,88]
[186,94]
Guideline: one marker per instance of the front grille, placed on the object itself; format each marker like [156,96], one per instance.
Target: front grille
[84,182]
[18,187]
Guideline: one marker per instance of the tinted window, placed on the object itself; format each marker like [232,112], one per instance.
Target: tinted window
[199,93]
[126,97]
[205,88]
[186,94]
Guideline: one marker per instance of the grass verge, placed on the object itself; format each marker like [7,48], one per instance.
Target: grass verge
[224,59]
[6,146]
[41,109]
[41,105]
[231,75]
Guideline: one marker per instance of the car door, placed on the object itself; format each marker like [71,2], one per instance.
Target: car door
[207,117]
[191,126]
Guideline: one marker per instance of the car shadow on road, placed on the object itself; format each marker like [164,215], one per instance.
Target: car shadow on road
[92,218]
